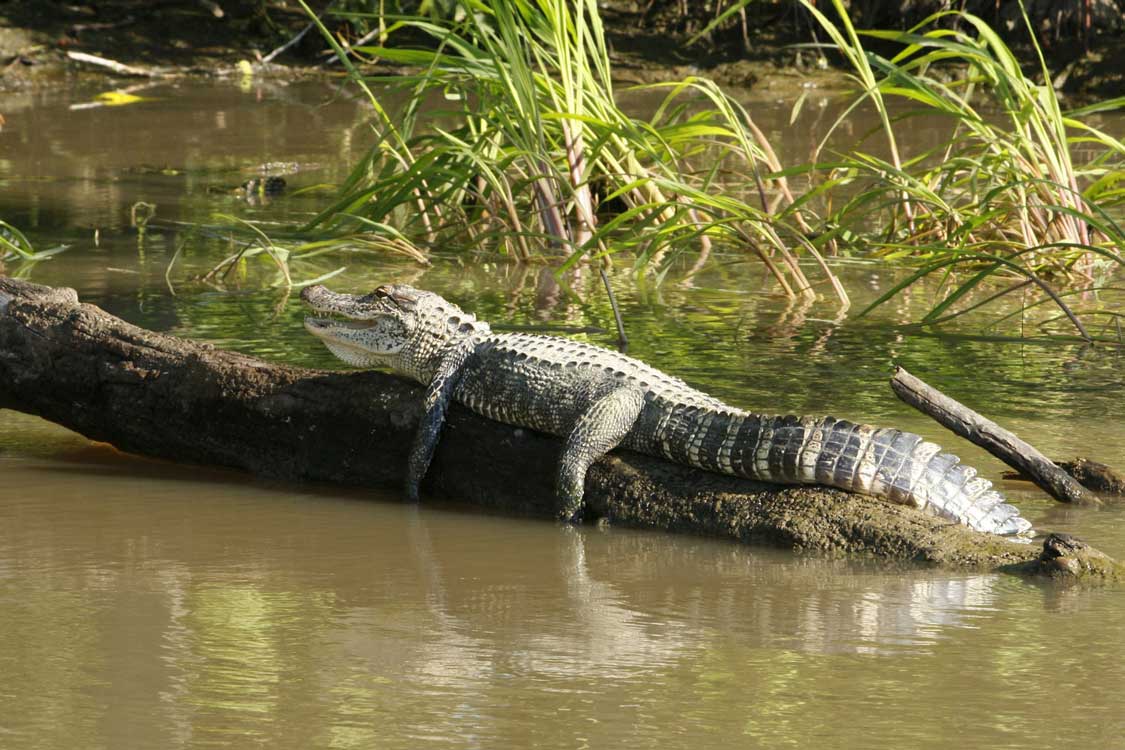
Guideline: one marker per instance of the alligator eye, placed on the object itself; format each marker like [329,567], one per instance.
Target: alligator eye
[386,293]
[402,297]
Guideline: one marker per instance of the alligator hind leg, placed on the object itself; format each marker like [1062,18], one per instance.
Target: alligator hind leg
[597,432]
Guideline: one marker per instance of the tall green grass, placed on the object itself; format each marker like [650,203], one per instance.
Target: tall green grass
[1005,196]
[523,138]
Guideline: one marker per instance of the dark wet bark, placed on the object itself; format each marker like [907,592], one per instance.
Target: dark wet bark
[982,431]
[1095,476]
[171,398]
[1092,475]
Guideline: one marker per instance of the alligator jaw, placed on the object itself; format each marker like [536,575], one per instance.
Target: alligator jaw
[317,326]
[333,312]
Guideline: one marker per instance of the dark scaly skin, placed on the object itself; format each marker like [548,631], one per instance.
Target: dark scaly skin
[597,400]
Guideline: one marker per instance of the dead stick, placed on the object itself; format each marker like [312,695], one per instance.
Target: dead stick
[295,40]
[116,67]
[992,437]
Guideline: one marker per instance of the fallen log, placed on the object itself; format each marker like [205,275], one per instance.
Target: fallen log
[1001,443]
[181,400]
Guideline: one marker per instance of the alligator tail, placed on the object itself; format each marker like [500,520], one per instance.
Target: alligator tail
[884,462]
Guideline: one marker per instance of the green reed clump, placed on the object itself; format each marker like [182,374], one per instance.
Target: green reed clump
[1019,189]
[527,145]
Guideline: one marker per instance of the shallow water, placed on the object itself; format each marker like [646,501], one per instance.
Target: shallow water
[144,604]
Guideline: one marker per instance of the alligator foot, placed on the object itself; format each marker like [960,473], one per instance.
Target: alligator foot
[571,509]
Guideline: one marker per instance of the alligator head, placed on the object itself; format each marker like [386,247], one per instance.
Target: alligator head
[395,326]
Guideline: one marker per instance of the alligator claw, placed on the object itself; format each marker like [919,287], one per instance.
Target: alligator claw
[566,515]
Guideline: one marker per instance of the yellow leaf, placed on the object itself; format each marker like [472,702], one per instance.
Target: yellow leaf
[118,98]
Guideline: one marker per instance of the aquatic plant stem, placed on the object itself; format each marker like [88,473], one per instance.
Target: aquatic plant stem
[622,339]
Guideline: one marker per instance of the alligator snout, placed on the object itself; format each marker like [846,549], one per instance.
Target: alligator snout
[323,299]
[310,294]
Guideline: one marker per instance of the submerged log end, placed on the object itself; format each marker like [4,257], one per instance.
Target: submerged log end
[1095,476]
[1068,558]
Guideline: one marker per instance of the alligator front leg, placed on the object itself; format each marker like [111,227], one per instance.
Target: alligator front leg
[438,396]
[599,430]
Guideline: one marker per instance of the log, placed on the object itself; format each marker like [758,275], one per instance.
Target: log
[182,400]
[992,437]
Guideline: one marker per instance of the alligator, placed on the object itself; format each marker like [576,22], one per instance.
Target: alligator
[597,400]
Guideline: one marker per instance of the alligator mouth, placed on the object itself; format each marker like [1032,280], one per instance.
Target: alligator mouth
[314,323]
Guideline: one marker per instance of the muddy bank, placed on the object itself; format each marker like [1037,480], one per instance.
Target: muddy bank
[171,398]
[181,37]
[768,49]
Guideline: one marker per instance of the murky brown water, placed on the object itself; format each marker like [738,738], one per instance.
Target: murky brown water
[147,605]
